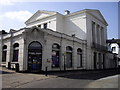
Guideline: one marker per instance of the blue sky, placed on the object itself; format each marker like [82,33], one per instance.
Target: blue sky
[13,15]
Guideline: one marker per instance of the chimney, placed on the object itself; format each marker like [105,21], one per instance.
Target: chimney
[67,12]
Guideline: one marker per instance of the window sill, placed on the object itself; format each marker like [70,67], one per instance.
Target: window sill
[4,62]
[79,67]
[14,62]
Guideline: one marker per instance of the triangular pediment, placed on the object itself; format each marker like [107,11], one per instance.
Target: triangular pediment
[98,15]
[39,15]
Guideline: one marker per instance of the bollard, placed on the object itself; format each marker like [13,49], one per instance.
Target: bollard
[9,65]
[17,67]
[46,72]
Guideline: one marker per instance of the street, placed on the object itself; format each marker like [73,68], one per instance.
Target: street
[79,79]
[71,79]
[59,82]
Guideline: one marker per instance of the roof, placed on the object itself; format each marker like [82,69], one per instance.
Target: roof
[41,11]
[89,11]
[51,13]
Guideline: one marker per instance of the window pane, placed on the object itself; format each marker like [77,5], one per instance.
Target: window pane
[55,58]
[45,25]
[15,55]
[55,55]
[39,26]
[68,48]
[4,56]
[69,60]
[15,45]
[35,45]
[4,47]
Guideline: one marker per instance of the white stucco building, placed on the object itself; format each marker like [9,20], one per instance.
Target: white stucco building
[71,41]
[115,49]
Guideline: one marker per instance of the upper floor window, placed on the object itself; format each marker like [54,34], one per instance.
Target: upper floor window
[114,49]
[93,31]
[39,26]
[45,25]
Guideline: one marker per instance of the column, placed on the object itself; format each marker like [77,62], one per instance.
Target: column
[62,53]
[96,36]
[74,58]
[93,32]
[84,57]
[100,35]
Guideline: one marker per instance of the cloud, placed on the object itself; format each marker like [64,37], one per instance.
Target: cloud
[6,2]
[21,16]
[12,2]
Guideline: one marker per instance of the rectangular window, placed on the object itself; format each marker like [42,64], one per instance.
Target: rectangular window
[114,49]
[4,56]
[102,36]
[99,61]
[15,55]
[98,34]
[103,61]
[68,60]
[93,31]
[79,57]
[55,59]
[95,60]
[45,25]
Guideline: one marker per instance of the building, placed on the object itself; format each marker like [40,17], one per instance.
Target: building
[72,41]
[114,47]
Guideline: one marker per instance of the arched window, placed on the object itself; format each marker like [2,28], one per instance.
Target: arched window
[55,55]
[79,57]
[68,56]
[4,54]
[15,52]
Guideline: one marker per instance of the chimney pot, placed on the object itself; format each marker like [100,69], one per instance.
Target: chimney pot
[67,12]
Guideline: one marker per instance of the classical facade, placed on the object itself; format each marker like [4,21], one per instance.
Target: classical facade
[59,42]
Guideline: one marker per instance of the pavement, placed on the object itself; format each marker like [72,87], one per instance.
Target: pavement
[107,82]
[12,79]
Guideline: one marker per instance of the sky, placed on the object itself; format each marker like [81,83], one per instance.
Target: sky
[14,14]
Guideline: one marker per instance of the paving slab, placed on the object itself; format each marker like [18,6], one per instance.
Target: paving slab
[11,79]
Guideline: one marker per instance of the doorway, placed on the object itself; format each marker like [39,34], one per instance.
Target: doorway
[35,57]
[95,60]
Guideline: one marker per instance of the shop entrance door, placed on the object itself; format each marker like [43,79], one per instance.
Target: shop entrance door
[35,57]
